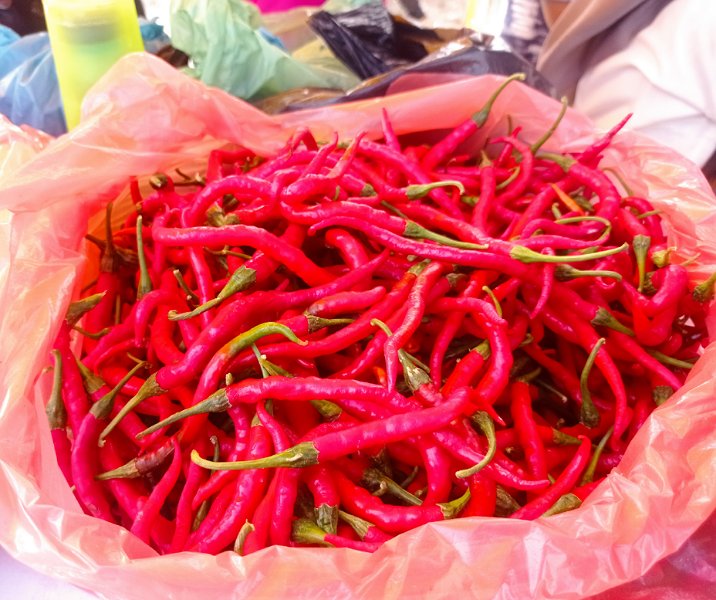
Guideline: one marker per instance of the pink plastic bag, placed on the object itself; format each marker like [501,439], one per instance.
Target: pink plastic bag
[144,117]
[272,6]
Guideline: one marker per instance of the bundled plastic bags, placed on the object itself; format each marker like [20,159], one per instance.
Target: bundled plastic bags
[144,117]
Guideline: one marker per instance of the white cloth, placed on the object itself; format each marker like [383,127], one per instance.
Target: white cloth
[652,58]
[664,75]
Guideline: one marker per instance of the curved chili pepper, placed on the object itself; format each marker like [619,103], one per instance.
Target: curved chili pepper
[448,144]
[565,482]
[150,510]
[57,420]
[526,427]
[246,235]
[326,499]
[392,519]
[305,531]
[365,435]
[246,497]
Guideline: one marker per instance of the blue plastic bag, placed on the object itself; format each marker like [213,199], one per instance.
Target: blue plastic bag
[29,92]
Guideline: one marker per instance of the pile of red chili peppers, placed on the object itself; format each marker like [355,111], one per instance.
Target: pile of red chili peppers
[344,341]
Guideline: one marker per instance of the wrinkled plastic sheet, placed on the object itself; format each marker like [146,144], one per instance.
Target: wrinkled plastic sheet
[144,117]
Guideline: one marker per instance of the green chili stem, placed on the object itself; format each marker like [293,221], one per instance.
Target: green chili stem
[149,388]
[260,359]
[567,272]
[145,282]
[640,245]
[564,503]
[305,531]
[493,298]
[360,526]
[589,416]
[416,231]
[77,309]
[244,532]
[670,360]
[415,191]
[55,409]
[327,518]
[527,255]
[103,407]
[548,134]
[240,279]
[373,477]
[607,319]
[226,252]
[481,116]
[453,508]
[327,409]
[486,424]
[563,161]
[660,258]
[108,260]
[183,285]
[415,376]
[662,393]
[588,475]
[303,454]
[393,209]
[93,335]
[506,504]
[705,290]
[564,439]
[505,182]
[582,218]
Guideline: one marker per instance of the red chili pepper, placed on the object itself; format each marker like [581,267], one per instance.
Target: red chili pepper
[108,283]
[638,354]
[325,497]
[246,235]
[147,514]
[483,497]
[392,519]
[438,468]
[447,145]
[352,250]
[365,435]
[219,479]
[416,309]
[250,485]
[346,302]
[530,440]
[565,482]
[450,327]
[305,531]
[184,518]
[497,470]
[57,420]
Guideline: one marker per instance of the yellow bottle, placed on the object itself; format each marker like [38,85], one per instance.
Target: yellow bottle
[87,37]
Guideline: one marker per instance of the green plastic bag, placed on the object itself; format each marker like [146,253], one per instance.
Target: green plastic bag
[228,51]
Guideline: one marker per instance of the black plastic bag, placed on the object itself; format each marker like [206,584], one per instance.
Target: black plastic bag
[466,56]
[366,39]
